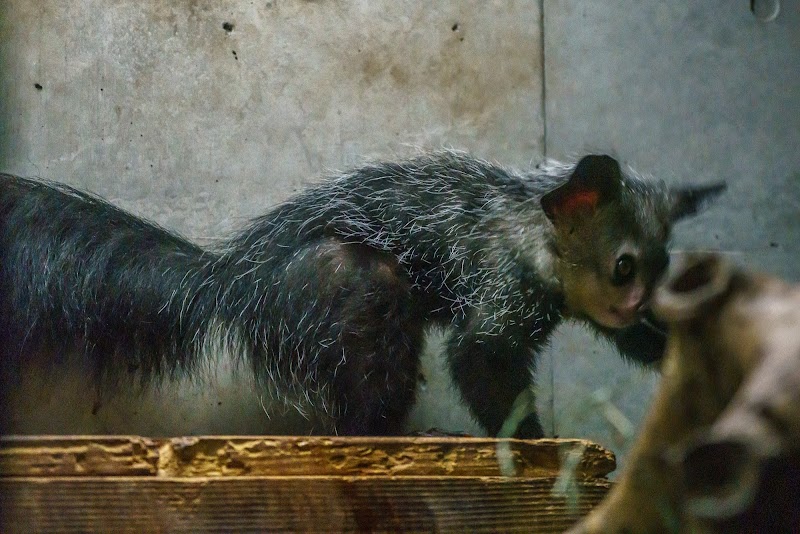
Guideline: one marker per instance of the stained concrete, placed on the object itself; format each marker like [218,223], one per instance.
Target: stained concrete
[201,114]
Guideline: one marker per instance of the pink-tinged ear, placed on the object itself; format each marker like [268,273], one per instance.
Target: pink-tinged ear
[690,200]
[595,180]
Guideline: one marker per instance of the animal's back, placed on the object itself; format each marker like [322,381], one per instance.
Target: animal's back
[444,216]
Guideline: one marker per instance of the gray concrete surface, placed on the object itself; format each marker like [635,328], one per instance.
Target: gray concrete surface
[197,124]
[157,106]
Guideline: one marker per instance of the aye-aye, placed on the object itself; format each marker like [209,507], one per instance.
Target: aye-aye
[329,295]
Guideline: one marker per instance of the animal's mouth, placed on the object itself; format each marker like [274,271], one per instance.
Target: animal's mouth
[624,316]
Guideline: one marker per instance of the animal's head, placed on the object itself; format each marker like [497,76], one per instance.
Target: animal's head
[611,236]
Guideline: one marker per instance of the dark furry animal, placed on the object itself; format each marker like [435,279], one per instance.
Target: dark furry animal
[328,295]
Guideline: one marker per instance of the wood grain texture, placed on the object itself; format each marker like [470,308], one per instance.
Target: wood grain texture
[288,455]
[74,455]
[299,484]
[116,504]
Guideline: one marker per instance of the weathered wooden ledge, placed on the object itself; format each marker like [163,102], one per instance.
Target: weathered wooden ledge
[112,483]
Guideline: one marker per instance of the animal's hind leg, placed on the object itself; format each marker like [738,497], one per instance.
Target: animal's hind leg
[368,337]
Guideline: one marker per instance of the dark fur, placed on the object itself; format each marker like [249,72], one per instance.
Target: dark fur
[329,294]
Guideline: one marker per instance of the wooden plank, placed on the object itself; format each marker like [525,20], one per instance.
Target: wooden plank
[206,484]
[297,503]
[377,457]
[290,456]
[78,455]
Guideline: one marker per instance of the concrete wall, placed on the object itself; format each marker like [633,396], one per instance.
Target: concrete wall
[200,114]
[156,105]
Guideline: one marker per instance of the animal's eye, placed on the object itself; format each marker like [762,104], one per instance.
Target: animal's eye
[624,270]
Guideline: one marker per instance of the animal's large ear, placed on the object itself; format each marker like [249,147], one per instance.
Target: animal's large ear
[595,180]
[689,200]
